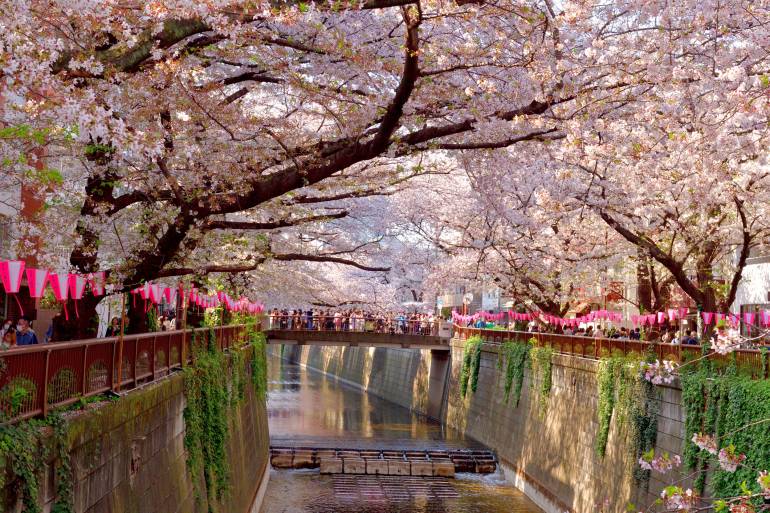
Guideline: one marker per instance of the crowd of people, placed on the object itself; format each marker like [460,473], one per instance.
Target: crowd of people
[667,335]
[402,323]
[20,334]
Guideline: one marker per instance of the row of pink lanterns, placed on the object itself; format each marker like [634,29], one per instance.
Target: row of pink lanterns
[71,285]
[63,285]
[155,293]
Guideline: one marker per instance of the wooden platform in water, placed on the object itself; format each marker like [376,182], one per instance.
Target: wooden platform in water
[411,462]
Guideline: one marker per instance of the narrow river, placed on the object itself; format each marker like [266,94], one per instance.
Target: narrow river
[308,408]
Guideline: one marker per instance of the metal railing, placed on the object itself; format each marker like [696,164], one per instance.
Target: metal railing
[748,360]
[330,323]
[37,378]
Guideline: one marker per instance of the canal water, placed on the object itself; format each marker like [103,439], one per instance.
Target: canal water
[308,408]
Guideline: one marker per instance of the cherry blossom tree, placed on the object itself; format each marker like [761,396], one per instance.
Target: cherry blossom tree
[666,148]
[178,119]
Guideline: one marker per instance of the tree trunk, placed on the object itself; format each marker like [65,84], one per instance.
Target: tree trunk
[136,315]
[643,283]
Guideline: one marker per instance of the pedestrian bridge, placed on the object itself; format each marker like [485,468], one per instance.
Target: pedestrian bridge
[320,337]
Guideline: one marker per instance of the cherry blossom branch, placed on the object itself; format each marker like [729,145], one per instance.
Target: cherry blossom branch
[272,225]
[286,257]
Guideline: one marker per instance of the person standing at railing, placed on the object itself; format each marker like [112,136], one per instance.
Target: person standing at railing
[24,334]
[688,339]
[9,339]
[113,330]
[7,326]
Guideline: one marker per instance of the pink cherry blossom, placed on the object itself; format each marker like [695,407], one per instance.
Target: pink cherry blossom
[742,507]
[662,463]
[729,459]
[676,498]
[726,341]
[658,372]
[705,442]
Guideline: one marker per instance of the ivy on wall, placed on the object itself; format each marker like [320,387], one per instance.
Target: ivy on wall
[624,394]
[540,359]
[516,356]
[736,409]
[694,386]
[644,424]
[206,417]
[471,364]
[605,380]
[214,385]
[24,452]
[743,422]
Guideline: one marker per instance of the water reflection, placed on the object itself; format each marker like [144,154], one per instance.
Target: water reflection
[308,405]
[306,491]
[308,408]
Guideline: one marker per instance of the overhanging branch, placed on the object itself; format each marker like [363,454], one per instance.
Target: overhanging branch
[272,225]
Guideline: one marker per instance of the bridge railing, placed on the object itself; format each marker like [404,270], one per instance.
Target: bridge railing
[361,325]
[36,378]
[751,361]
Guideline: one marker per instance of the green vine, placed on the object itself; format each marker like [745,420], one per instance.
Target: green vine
[624,394]
[214,382]
[24,452]
[237,378]
[694,402]
[516,359]
[644,423]
[605,380]
[541,363]
[205,415]
[65,495]
[744,408]
[471,365]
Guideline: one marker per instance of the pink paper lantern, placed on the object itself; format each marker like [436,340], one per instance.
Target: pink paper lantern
[97,281]
[77,285]
[60,285]
[156,293]
[11,272]
[37,279]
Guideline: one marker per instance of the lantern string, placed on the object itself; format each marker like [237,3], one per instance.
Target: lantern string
[21,308]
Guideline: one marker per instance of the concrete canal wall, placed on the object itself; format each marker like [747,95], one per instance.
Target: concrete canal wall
[414,379]
[546,452]
[128,456]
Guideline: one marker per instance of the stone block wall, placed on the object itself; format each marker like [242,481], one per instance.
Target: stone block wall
[402,376]
[550,453]
[128,455]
